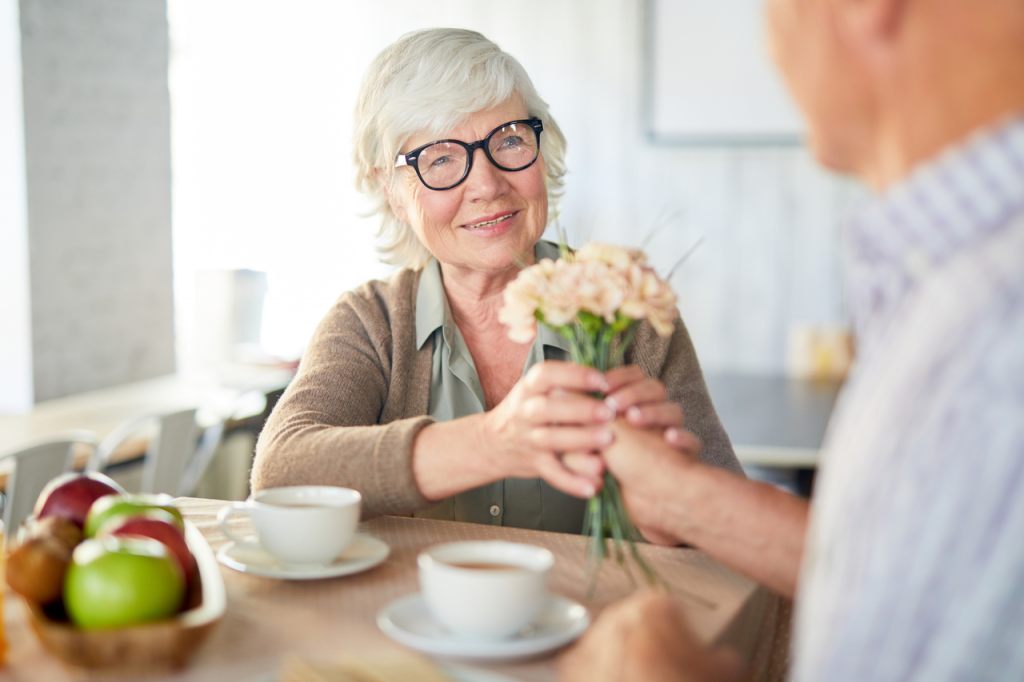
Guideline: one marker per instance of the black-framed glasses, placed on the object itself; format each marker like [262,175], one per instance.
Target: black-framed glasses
[444,164]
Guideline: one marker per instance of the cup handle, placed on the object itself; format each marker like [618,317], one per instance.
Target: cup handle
[224,516]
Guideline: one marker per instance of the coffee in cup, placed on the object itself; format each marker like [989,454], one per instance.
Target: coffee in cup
[485,590]
[304,524]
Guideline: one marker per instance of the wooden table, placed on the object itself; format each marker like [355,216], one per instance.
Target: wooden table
[268,619]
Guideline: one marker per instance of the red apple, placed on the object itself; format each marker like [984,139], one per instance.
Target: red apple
[159,525]
[70,495]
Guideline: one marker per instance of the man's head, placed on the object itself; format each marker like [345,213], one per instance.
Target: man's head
[886,84]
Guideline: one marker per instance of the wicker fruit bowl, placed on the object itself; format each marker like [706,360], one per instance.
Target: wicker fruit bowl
[160,645]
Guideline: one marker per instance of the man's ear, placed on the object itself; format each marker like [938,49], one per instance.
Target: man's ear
[873,21]
[871,29]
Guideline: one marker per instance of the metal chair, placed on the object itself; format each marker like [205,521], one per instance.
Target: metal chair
[172,440]
[220,467]
[181,445]
[34,466]
[209,440]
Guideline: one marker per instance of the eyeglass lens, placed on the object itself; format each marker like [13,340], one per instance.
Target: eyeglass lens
[510,147]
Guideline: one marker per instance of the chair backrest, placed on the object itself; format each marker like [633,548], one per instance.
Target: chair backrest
[241,405]
[209,441]
[168,457]
[182,444]
[34,466]
[170,449]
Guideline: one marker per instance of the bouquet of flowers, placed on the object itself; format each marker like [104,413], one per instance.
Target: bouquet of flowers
[594,297]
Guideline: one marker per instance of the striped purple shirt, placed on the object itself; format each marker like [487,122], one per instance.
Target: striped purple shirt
[915,560]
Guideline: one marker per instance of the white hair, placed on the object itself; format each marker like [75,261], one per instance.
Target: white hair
[432,80]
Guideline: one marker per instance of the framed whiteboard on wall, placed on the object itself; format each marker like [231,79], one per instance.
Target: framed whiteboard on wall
[709,79]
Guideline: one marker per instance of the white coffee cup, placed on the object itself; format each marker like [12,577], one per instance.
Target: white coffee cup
[302,524]
[487,589]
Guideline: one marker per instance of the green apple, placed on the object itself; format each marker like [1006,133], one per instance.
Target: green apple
[117,581]
[110,507]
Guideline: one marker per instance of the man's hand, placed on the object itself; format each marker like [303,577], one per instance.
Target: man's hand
[645,637]
[640,401]
[649,471]
[672,497]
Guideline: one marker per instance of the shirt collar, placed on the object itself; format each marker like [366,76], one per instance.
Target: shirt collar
[963,196]
[433,313]
[431,303]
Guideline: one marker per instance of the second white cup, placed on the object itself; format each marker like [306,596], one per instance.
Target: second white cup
[485,590]
[306,524]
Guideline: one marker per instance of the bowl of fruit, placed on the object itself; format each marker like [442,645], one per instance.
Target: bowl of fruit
[112,580]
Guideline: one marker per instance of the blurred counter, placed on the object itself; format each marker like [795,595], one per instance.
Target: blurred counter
[236,393]
[774,421]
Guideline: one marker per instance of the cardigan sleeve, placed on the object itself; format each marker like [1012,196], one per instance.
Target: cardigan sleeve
[326,430]
[673,361]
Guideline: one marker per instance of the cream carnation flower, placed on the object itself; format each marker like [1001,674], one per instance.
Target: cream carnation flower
[604,280]
[594,297]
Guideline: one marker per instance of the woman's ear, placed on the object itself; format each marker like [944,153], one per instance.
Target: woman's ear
[394,194]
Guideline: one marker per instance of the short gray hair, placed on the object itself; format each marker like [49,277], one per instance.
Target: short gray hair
[431,80]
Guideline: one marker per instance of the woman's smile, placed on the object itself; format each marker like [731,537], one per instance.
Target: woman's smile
[492,225]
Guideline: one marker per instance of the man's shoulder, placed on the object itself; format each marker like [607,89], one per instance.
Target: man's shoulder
[979,281]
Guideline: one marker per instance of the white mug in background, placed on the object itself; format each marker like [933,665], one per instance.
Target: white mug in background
[819,352]
[485,590]
[303,524]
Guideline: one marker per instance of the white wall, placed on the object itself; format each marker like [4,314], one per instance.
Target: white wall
[97,129]
[15,341]
[262,99]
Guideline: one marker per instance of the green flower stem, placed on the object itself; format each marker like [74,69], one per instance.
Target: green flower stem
[595,343]
[596,546]
[620,539]
[619,511]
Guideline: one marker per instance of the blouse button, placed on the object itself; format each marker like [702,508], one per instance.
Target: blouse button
[495,510]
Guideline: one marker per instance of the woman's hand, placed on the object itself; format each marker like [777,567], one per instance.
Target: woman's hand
[643,401]
[548,412]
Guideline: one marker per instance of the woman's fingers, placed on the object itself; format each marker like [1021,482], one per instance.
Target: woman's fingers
[662,415]
[553,374]
[640,392]
[555,473]
[623,376]
[551,439]
[588,464]
[564,407]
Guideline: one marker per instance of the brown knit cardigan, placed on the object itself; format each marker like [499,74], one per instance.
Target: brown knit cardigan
[362,390]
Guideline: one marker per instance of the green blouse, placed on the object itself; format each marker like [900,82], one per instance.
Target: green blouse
[455,391]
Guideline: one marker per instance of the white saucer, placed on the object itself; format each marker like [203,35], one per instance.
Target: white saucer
[408,621]
[365,552]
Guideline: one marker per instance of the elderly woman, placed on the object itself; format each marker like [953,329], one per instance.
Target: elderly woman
[410,390]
